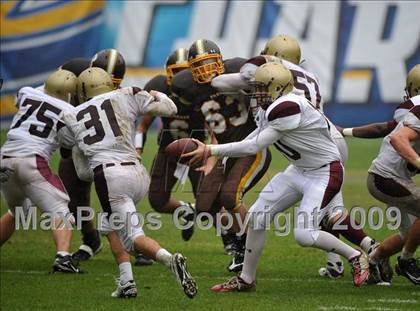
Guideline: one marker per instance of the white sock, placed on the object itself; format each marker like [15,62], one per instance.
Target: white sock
[406,255]
[366,243]
[330,243]
[164,257]
[63,253]
[126,273]
[255,241]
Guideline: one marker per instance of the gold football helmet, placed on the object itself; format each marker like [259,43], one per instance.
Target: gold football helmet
[284,47]
[272,80]
[62,84]
[92,82]
[177,61]
[412,86]
[205,60]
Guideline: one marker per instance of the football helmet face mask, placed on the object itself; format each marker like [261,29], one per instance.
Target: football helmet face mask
[62,84]
[412,86]
[205,61]
[284,47]
[272,80]
[92,82]
[112,62]
[177,61]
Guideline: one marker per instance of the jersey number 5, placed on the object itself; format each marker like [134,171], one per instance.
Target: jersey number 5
[95,122]
[42,107]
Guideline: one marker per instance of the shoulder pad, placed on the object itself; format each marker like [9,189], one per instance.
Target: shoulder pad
[233,65]
[283,109]
[157,83]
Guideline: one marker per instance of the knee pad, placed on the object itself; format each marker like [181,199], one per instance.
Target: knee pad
[304,237]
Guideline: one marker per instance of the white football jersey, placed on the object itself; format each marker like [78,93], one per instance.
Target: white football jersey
[305,83]
[298,130]
[104,127]
[389,163]
[37,127]
[305,132]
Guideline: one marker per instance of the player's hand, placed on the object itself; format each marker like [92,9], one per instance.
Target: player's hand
[5,174]
[208,166]
[199,155]
[139,151]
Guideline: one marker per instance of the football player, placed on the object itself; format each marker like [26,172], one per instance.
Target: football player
[285,50]
[36,132]
[229,119]
[390,181]
[188,122]
[314,177]
[79,189]
[104,128]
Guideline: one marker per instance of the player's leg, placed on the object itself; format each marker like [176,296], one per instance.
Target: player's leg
[126,287]
[161,184]
[320,187]
[395,192]
[47,192]
[118,188]
[407,264]
[14,197]
[279,194]
[79,193]
[243,174]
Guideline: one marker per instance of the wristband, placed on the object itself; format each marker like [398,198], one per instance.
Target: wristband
[138,140]
[348,131]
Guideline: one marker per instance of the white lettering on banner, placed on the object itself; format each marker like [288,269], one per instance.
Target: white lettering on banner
[132,37]
[367,50]
[239,32]
[319,43]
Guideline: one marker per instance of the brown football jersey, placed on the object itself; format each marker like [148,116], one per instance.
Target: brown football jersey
[228,116]
[187,122]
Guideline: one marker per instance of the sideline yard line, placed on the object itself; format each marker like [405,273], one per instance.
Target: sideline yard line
[318,280]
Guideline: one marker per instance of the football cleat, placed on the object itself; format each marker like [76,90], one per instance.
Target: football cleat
[143,260]
[237,262]
[127,290]
[234,284]
[332,270]
[187,217]
[384,267]
[65,264]
[375,276]
[408,268]
[359,269]
[91,246]
[183,277]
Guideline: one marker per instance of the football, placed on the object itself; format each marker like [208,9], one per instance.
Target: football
[181,146]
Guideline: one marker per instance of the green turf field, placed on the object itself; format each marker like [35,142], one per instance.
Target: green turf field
[287,276]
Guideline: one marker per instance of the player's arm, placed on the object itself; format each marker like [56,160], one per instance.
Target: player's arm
[229,82]
[374,130]
[153,103]
[401,141]
[141,134]
[238,149]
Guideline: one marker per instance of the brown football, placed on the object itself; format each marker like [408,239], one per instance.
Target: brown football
[181,146]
